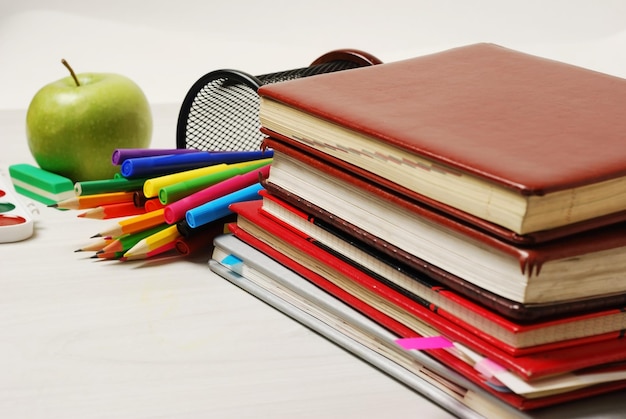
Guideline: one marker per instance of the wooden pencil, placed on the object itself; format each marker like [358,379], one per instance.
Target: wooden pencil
[93,201]
[134,224]
[122,209]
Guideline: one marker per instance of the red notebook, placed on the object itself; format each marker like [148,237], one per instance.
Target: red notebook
[532,366]
[444,246]
[523,142]
[513,337]
[401,330]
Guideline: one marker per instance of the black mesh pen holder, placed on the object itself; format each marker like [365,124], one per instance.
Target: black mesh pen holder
[220,111]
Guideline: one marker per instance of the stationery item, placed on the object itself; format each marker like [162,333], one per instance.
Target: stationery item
[95,245]
[524,313]
[159,251]
[354,330]
[188,244]
[505,136]
[219,207]
[171,193]
[153,186]
[93,201]
[516,338]
[41,185]
[177,210]
[221,109]
[153,204]
[16,221]
[594,260]
[127,241]
[293,295]
[121,154]
[298,253]
[117,184]
[134,224]
[165,236]
[162,165]
[103,212]
[187,232]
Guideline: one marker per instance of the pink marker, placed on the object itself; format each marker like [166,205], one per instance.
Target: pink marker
[176,211]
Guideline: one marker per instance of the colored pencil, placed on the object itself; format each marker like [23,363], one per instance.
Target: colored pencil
[108,255]
[177,191]
[161,238]
[96,245]
[120,184]
[123,209]
[93,201]
[162,165]
[134,224]
[219,207]
[127,241]
[158,251]
[177,210]
[121,154]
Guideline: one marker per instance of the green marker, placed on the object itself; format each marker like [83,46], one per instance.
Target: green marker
[117,184]
[172,193]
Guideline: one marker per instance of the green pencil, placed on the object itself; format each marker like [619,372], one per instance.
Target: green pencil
[127,241]
[176,191]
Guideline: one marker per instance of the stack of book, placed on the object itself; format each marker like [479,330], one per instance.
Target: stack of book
[464,215]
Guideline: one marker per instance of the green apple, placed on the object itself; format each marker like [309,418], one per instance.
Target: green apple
[74,124]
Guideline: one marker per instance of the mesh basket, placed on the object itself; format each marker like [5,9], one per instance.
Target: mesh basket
[220,111]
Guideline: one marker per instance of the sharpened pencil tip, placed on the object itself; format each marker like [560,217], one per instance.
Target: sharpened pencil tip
[94,257]
[99,252]
[95,235]
[53,205]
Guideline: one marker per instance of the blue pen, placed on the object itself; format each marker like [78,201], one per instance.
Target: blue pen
[219,207]
[162,165]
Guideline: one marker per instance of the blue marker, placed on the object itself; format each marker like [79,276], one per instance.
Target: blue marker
[162,165]
[219,207]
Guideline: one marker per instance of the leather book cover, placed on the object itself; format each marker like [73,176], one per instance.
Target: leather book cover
[528,367]
[373,182]
[464,108]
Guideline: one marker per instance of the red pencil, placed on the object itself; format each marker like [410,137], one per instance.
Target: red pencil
[122,209]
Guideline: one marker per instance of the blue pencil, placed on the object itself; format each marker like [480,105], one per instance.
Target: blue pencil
[161,165]
[219,207]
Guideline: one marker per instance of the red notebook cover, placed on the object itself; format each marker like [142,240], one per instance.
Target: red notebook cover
[402,331]
[473,317]
[531,366]
[525,123]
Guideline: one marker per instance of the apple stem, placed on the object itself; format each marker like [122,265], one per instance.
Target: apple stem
[67,65]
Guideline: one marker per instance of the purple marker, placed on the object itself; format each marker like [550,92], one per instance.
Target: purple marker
[121,154]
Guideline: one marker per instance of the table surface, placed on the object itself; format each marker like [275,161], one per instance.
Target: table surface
[88,338]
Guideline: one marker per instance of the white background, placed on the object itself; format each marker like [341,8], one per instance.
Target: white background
[166,46]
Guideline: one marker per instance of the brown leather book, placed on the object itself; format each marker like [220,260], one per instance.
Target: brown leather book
[523,142]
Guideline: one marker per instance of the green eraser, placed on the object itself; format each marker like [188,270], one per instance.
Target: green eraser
[40,185]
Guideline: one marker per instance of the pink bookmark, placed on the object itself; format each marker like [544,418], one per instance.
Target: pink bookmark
[421,343]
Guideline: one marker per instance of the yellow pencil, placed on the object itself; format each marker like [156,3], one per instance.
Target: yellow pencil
[134,224]
[162,238]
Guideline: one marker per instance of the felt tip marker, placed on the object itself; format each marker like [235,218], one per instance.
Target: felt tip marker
[219,207]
